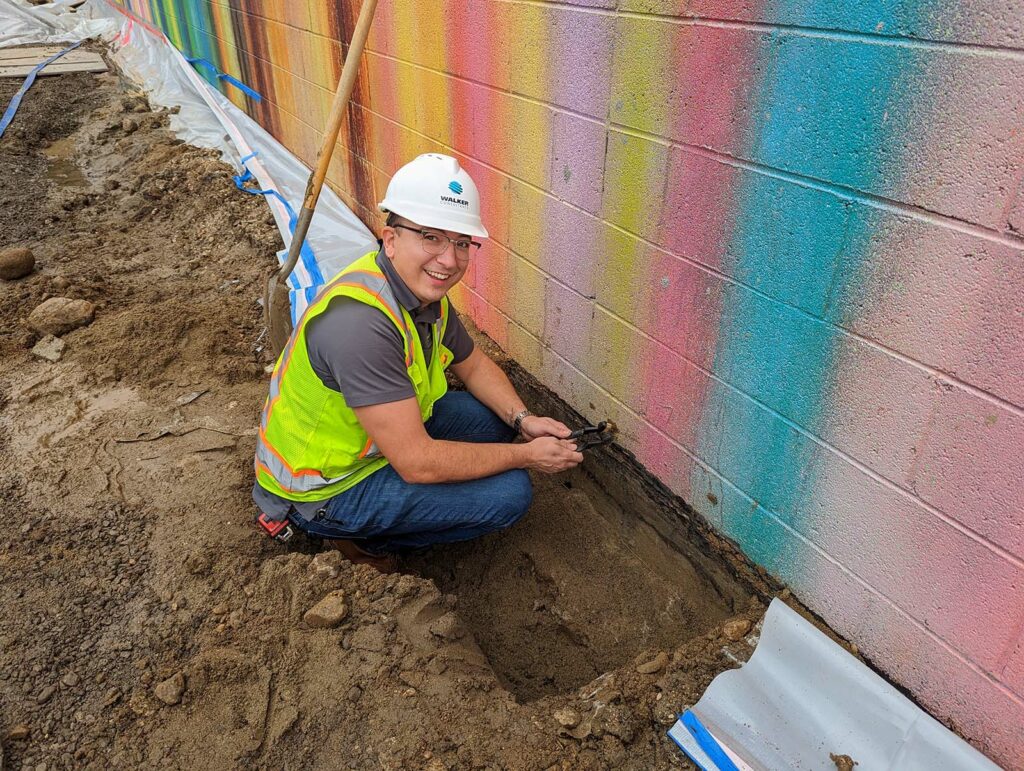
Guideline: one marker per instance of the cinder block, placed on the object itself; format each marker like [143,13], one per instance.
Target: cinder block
[463,97]
[970,466]
[276,37]
[877,409]
[566,315]
[1013,670]
[614,358]
[382,76]
[945,298]
[418,32]
[670,463]
[590,400]
[950,582]
[298,14]
[760,534]
[571,245]
[433,115]
[562,56]
[682,305]
[776,354]
[526,226]
[299,46]
[514,135]
[482,29]
[489,319]
[525,299]
[577,161]
[526,349]
[496,283]
[620,257]
[692,84]
[784,239]
[673,396]
[841,111]
[765,456]
[634,183]
[1015,210]
[700,214]
[382,38]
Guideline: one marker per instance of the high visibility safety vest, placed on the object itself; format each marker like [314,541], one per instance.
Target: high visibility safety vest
[311,446]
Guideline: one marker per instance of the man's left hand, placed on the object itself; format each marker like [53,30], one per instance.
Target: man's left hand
[535,426]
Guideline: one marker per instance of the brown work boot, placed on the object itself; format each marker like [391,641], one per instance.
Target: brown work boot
[385,563]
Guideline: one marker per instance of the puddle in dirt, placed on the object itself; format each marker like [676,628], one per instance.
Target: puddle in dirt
[63,170]
[579,587]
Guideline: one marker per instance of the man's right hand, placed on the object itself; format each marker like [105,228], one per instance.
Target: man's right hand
[551,455]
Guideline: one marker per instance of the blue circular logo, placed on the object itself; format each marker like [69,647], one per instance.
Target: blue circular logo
[455,187]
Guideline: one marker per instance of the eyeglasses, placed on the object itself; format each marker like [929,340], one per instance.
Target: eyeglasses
[435,243]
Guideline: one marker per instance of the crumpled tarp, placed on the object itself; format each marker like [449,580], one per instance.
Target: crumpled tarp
[801,699]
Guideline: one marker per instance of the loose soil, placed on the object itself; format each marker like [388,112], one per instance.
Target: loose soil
[132,569]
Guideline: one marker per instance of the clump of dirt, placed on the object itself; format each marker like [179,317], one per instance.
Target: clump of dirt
[147,623]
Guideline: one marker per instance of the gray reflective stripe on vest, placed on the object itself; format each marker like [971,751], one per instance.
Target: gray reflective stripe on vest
[296,484]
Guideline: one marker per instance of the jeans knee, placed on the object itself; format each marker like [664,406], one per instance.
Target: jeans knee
[515,500]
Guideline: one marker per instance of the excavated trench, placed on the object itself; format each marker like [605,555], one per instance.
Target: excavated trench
[603,567]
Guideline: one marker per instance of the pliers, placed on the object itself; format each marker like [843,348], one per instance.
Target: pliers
[589,437]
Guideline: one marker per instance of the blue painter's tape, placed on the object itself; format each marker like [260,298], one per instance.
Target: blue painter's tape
[696,761]
[12,108]
[707,742]
[198,60]
[306,254]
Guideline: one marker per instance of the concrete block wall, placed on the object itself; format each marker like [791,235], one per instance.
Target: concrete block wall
[780,242]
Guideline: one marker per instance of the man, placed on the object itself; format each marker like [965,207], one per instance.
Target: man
[359,442]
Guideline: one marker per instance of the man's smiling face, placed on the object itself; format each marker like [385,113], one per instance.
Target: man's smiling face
[428,276]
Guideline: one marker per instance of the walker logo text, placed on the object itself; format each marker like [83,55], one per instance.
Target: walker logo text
[456,201]
[455,187]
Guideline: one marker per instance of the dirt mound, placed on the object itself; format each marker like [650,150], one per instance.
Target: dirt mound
[148,624]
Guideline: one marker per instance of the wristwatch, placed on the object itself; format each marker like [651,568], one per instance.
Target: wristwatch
[517,421]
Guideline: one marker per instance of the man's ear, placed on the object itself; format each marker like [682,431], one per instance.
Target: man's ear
[387,236]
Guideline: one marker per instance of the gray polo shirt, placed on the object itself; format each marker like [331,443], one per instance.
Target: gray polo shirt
[357,350]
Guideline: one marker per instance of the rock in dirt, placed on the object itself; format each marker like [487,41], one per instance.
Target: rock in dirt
[50,348]
[171,690]
[18,733]
[655,665]
[567,717]
[326,564]
[327,613]
[61,314]
[448,627]
[16,263]
[736,629]
[44,695]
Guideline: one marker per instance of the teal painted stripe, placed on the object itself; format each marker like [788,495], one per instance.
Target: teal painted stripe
[828,109]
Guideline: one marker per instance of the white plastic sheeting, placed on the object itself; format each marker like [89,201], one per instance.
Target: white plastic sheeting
[57,22]
[802,698]
[208,119]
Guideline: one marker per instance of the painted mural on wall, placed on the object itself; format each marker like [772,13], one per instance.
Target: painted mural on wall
[780,242]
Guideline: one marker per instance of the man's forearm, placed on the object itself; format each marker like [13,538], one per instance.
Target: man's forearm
[445,461]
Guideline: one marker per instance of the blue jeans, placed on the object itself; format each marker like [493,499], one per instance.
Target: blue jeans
[386,513]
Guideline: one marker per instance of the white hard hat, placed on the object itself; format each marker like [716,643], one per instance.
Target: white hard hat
[434,191]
